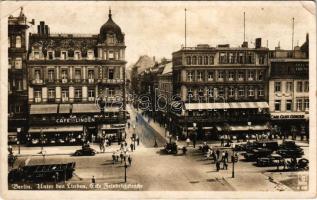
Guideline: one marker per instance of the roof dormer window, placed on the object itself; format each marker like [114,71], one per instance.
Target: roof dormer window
[64,55]
[90,55]
[111,55]
[77,55]
[50,55]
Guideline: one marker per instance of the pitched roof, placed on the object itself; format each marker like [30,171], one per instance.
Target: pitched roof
[144,62]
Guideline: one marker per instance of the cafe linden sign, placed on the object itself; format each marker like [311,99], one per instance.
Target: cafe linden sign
[76,119]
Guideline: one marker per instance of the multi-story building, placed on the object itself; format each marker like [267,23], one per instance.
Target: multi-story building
[222,89]
[289,90]
[17,77]
[70,78]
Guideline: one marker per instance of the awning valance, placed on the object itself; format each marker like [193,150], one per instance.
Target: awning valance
[12,134]
[206,106]
[56,129]
[237,105]
[43,109]
[249,128]
[64,108]
[85,108]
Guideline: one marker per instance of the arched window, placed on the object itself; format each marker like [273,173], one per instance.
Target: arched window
[211,60]
[194,60]
[205,60]
[188,60]
[200,60]
[18,42]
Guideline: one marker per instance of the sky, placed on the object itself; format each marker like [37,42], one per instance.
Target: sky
[157,28]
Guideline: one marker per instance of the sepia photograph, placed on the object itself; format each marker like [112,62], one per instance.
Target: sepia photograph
[158,100]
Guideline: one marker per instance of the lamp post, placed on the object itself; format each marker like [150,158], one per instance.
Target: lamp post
[249,125]
[125,166]
[19,138]
[194,138]
[233,160]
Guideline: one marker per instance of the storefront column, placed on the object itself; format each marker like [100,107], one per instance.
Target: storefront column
[84,93]
[58,94]
[71,94]
[44,94]
[31,97]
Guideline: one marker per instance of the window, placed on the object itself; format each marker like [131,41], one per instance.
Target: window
[277,86]
[262,59]
[199,76]
[306,104]
[194,60]
[188,60]
[111,55]
[289,87]
[77,94]
[51,93]
[260,75]
[36,55]
[64,55]
[231,58]
[18,63]
[77,55]
[201,92]
[64,74]
[251,91]
[64,95]
[260,91]
[251,75]
[200,60]
[37,96]
[220,75]
[220,92]
[50,55]
[90,55]
[288,105]
[51,75]
[250,58]
[231,92]
[277,105]
[231,75]
[90,74]
[210,75]
[241,58]
[211,60]
[241,91]
[19,85]
[77,75]
[306,86]
[111,92]
[210,92]
[110,39]
[189,76]
[37,74]
[299,104]
[240,75]
[299,86]
[91,95]
[190,93]
[110,73]
[223,58]
[18,43]
[205,60]
[18,109]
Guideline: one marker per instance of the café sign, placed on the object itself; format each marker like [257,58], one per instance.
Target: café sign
[75,119]
[288,116]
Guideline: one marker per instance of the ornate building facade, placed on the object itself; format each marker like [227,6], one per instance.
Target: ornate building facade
[17,77]
[223,89]
[78,81]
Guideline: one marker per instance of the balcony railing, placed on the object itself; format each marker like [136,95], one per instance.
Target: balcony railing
[113,81]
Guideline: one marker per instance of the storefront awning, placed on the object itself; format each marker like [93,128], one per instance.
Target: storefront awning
[237,105]
[85,108]
[56,129]
[12,133]
[112,109]
[206,106]
[43,109]
[249,128]
[64,108]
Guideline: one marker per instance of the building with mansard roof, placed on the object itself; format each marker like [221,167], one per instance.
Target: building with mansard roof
[76,86]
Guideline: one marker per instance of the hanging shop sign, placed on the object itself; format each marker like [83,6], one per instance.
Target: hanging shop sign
[288,116]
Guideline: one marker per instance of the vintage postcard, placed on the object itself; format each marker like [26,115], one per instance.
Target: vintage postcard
[158,100]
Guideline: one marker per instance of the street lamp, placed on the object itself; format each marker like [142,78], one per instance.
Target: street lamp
[125,166]
[19,138]
[194,138]
[233,159]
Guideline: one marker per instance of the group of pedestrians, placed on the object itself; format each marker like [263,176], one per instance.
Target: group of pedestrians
[122,156]
[105,142]
[218,159]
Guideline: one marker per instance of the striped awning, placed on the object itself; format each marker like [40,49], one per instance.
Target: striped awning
[56,129]
[64,108]
[237,105]
[85,108]
[43,109]
[206,106]
[247,128]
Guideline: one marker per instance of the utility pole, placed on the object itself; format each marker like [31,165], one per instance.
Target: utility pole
[243,26]
[293,35]
[185,29]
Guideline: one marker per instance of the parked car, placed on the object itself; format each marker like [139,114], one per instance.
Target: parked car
[254,154]
[271,160]
[288,149]
[85,151]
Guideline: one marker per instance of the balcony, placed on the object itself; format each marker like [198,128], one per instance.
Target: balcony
[37,82]
[64,80]
[112,81]
[91,81]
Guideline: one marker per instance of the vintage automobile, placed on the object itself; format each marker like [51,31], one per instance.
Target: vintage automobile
[256,153]
[171,148]
[271,160]
[85,151]
[288,149]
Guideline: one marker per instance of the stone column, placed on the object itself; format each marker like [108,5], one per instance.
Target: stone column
[71,94]
[44,94]
[85,93]
[58,94]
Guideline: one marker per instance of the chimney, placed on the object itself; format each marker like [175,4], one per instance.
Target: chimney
[47,32]
[42,24]
[38,29]
[258,42]
[245,44]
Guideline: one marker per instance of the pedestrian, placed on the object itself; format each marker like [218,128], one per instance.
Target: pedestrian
[113,158]
[128,125]
[136,118]
[117,158]
[217,165]
[194,142]
[187,141]
[93,181]
[121,157]
[129,160]
[125,144]
[218,153]
[225,165]
[131,146]
[226,156]
[137,140]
